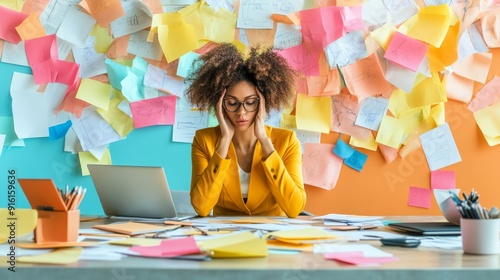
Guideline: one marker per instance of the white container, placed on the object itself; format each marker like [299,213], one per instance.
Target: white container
[480,236]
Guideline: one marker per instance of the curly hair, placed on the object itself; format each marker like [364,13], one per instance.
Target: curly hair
[224,66]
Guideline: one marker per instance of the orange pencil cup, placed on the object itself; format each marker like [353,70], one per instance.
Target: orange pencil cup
[57,226]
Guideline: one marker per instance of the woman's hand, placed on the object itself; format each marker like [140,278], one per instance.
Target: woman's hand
[259,129]
[226,127]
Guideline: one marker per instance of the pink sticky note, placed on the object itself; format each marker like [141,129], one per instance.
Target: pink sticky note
[334,255]
[419,197]
[10,20]
[302,58]
[443,180]
[66,72]
[365,260]
[42,55]
[352,17]
[153,111]
[169,248]
[406,51]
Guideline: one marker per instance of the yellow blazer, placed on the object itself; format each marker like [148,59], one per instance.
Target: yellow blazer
[276,187]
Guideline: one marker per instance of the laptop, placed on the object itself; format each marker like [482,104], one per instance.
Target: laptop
[134,192]
[427,228]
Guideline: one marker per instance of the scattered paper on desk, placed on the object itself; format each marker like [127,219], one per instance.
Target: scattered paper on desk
[251,220]
[278,245]
[419,197]
[169,248]
[297,235]
[344,218]
[368,250]
[237,245]
[55,245]
[136,242]
[357,258]
[25,221]
[443,179]
[132,228]
[58,256]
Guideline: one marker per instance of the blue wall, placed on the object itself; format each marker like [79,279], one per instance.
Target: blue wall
[41,158]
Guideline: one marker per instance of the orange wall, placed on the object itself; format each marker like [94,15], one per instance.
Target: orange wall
[381,188]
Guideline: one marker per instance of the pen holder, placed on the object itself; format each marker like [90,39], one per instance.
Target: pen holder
[480,236]
[57,226]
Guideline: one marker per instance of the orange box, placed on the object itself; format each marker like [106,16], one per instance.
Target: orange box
[57,226]
[55,222]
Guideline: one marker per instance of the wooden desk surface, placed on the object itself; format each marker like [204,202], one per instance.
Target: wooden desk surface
[414,263]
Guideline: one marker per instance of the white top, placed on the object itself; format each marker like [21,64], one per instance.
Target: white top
[244,180]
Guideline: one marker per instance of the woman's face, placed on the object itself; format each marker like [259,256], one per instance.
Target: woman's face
[241,104]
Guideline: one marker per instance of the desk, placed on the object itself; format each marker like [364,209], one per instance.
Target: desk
[415,263]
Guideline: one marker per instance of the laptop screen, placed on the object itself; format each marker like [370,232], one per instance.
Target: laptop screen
[133,191]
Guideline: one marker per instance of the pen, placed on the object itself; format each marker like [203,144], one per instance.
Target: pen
[204,233]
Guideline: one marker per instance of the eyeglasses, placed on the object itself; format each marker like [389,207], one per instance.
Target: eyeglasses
[233,105]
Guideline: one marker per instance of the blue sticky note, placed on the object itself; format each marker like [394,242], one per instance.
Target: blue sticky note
[342,149]
[59,131]
[116,73]
[372,111]
[356,161]
[186,64]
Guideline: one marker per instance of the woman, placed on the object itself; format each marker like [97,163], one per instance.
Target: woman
[242,166]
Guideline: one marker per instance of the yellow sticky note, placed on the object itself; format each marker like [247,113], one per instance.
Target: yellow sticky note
[487,120]
[103,38]
[121,122]
[384,34]
[16,223]
[88,158]
[433,18]
[428,92]
[244,244]
[176,37]
[368,144]
[288,121]
[58,256]
[438,114]
[314,113]
[95,93]
[390,132]
[302,234]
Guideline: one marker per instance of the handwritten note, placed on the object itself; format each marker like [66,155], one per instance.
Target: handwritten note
[321,168]
[139,45]
[439,147]
[345,109]
[255,14]
[419,197]
[371,112]
[365,78]
[137,17]
[347,49]
[406,51]
[154,111]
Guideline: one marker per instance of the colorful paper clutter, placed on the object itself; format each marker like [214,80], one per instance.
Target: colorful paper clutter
[238,245]
[169,248]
